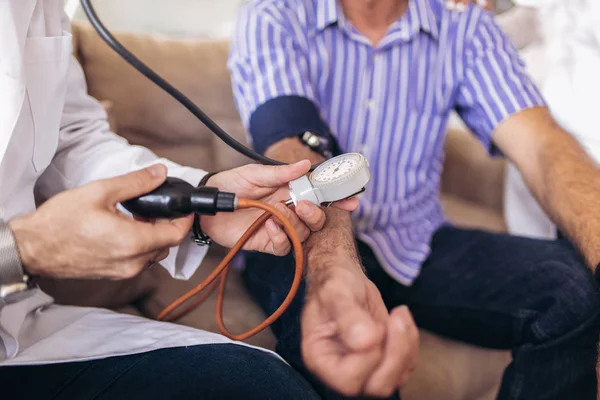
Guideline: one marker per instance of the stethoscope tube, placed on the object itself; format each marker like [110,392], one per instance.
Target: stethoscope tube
[170,89]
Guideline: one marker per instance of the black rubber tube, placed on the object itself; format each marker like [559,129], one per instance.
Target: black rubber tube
[170,89]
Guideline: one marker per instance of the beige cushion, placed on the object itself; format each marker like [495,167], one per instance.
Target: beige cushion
[147,115]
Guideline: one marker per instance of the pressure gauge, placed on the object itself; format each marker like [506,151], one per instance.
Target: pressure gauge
[336,179]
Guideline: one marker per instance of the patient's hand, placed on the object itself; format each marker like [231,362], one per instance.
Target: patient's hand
[350,341]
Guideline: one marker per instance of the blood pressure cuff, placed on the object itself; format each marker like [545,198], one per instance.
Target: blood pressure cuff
[284,117]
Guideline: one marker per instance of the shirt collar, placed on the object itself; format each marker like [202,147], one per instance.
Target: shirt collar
[420,16]
[327,13]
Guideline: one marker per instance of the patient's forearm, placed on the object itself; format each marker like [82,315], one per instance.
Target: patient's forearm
[571,192]
[336,240]
[563,177]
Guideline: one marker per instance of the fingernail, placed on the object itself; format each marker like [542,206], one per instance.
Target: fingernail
[156,170]
[450,5]
[461,7]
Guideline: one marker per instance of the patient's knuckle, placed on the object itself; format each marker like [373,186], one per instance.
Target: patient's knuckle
[334,289]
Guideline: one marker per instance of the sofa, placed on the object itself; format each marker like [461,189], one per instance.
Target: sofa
[139,111]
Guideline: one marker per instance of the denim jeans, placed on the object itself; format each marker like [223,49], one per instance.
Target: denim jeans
[208,372]
[533,297]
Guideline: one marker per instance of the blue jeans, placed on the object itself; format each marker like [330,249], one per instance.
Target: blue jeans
[207,372]
[533,297]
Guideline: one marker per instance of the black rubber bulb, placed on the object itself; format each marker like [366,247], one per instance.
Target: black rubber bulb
[176,198]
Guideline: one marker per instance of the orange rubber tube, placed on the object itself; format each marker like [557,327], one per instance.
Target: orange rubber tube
[223,269]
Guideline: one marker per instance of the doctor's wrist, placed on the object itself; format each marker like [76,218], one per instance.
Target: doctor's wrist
[210,180]
[12,277]
[198,235]
[25,238]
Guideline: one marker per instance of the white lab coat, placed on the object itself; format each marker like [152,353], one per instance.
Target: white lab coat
[565,62]
[54,137]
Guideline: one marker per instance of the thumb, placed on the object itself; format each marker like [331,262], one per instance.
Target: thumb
[356,326]
[275,176]
[134,184]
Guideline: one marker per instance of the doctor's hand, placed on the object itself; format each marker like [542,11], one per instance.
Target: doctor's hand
[269,184]
[81,234]
[349,339]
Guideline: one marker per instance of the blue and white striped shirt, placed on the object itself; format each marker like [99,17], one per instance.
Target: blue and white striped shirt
[390,102]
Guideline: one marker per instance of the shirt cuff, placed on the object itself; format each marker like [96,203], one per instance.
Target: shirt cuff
[185,259]
[283,117]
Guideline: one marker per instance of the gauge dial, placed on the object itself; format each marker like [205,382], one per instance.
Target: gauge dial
[334,170]
[338,169]
[335,179]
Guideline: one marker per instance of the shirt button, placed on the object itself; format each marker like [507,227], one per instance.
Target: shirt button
[371,104]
